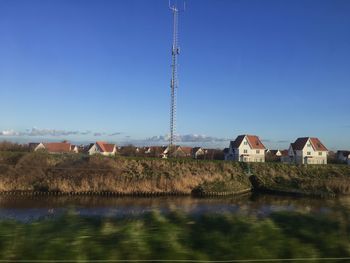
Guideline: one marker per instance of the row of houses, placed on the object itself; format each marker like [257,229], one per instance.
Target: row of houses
[305,150]
[245,148]
[109,149]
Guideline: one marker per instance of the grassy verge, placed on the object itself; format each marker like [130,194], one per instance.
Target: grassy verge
[177,236]
[331,179]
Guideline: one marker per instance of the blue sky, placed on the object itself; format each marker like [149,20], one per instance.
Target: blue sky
[84,70]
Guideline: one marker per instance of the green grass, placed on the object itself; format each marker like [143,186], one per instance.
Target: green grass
[177,236]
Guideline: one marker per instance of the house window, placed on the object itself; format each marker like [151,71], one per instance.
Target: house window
[245,151]
[308,145]
[320,153]
[257,151]
[308,153]
[245,143]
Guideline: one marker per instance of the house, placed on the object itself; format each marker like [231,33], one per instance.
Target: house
[197,153]
[273,155]
[277,153]
[32,145]
[307,150]
[226,153]
[285,158]
[104,148]
[246,148]
[53,147]
[182,151]
[129,150]
[156,151]
[343,156]
[74,148]
[214,154]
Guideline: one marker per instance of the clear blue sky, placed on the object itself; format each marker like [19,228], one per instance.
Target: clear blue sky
[278,69]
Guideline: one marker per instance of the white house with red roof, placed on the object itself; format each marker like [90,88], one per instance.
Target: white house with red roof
[307,150]
[246,148]
[104,148]
[54,147]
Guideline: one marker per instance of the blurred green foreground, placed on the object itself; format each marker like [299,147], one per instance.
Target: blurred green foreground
[177,236]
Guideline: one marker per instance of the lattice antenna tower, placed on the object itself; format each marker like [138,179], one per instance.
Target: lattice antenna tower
[175,51]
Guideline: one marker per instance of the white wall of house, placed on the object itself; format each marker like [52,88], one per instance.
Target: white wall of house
[244,153]
[349,159]
[75,149]
[198,153]
[96,150]
[40,146]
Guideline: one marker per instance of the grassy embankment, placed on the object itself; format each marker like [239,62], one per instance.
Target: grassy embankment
[177,236]
[331,179]
[78,174]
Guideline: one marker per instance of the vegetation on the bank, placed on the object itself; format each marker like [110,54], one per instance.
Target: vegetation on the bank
[177,236]
[77,173]
[39,171]
[331,179]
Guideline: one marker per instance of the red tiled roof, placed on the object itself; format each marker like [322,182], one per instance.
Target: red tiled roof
[186,149]
[253,141]
[105,147]
[318,146]
[57,147]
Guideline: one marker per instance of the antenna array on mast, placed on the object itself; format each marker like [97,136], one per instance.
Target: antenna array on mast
[175,51]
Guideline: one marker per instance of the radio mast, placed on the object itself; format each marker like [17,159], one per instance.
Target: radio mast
[175,51]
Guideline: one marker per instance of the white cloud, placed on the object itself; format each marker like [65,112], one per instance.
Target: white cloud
[42,132]
[187,138]
[9,133]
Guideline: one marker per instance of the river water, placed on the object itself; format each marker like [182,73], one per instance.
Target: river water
[27,209]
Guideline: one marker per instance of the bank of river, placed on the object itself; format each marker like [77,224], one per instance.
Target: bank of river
[183,228]
[40,173]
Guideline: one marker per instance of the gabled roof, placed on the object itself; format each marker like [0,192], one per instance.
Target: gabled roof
[105,147]
[253,141]
[274,152]
[186,149]
[72,147]
[318,145]
[284,153]
[196,149]
[236,143]
[299,144]
[344,153]
[57,147]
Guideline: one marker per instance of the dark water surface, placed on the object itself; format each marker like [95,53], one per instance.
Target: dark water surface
[32,208]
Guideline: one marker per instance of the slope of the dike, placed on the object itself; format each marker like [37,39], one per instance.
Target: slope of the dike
[42,172]
[317,180]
